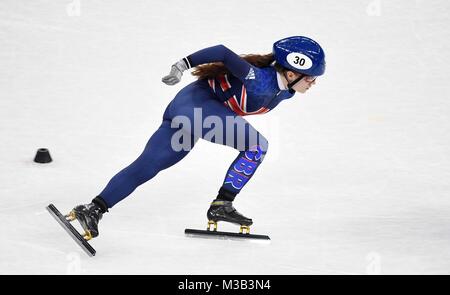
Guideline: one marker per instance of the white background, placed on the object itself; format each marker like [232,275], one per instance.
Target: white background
[356,180]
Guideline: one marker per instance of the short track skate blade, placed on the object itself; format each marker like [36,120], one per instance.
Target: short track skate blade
[76,236]
[212,233]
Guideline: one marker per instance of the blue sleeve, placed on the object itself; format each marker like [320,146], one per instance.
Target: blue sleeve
[219,53]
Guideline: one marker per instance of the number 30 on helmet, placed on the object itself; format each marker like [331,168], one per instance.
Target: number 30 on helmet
[300,54]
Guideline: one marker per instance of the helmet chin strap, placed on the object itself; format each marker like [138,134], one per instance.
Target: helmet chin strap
[292,83]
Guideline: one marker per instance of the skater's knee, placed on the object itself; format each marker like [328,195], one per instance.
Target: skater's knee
[257,152]
[256,139]
[260,149]
[263,143]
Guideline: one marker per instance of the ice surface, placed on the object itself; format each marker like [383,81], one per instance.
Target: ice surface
[356,180]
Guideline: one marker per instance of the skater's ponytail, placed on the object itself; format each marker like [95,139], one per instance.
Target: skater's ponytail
[213,70]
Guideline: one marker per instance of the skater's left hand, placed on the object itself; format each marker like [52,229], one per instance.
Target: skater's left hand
[175,73]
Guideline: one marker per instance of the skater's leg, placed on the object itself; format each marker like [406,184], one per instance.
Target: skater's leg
[232,130]
[220,125]
[241,170]
[157,155]
[160,153]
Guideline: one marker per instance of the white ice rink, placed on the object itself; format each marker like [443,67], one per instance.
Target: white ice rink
[356,180]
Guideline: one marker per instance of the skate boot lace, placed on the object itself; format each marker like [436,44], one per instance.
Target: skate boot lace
[94,212]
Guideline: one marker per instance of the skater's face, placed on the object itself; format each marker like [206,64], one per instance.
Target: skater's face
[304,84]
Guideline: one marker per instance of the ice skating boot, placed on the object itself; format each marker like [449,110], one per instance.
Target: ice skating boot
[88,215]
[221,210]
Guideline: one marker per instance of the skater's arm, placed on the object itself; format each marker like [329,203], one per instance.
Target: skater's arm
[238,66]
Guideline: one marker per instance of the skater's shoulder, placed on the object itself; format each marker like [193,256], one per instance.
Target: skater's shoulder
[265,80]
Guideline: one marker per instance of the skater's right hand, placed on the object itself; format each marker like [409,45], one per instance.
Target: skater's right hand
[175,73]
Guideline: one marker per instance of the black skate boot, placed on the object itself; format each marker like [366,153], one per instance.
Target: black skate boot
[221,210]
[88,215]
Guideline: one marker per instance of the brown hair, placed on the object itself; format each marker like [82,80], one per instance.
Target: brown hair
[213,70]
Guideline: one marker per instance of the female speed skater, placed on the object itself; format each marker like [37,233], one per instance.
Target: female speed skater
[229,87]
